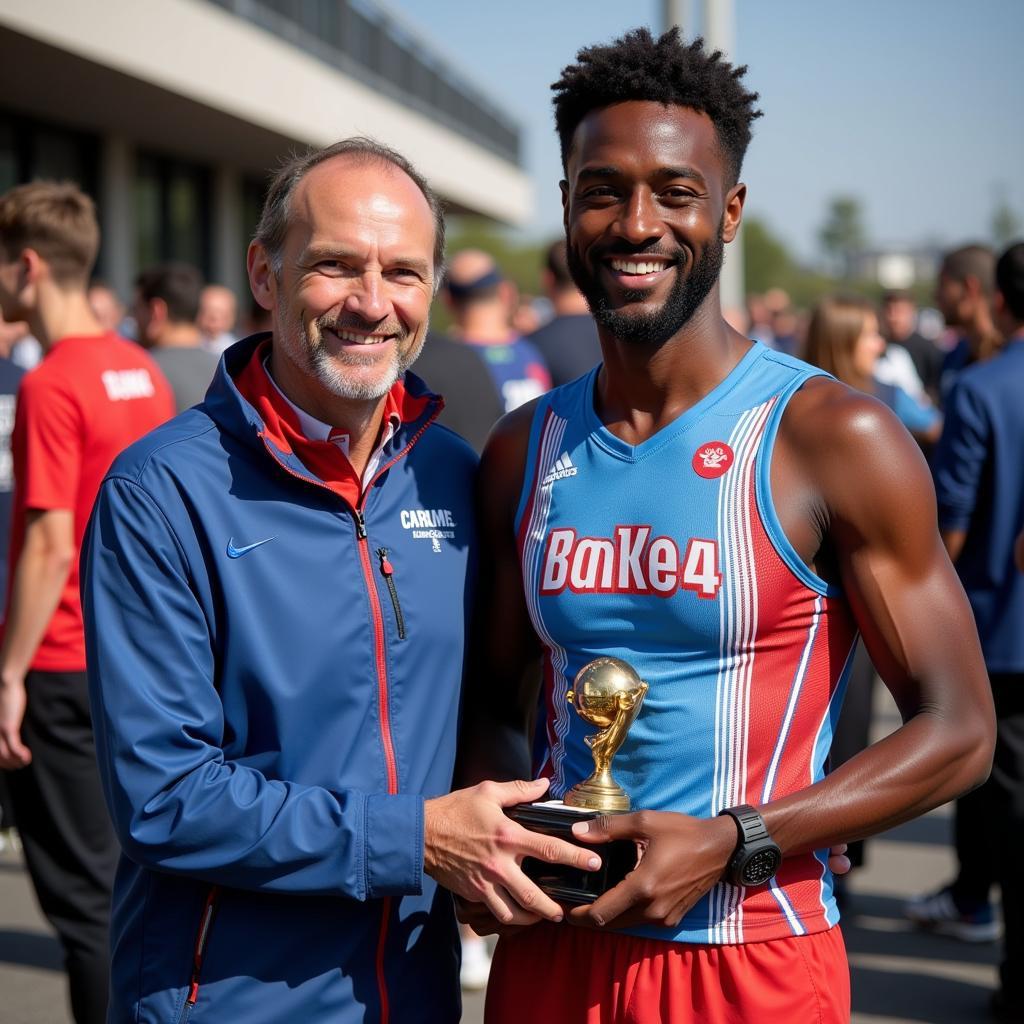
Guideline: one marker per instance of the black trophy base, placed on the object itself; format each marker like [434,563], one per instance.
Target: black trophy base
[572,885]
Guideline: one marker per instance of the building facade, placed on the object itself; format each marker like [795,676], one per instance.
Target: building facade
[172,113]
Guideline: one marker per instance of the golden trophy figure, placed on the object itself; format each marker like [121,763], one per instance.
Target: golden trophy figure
[607,693]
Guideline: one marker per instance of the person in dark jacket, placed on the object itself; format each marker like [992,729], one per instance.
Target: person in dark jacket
[979,483]
[568,342]
[472,404]
[276,585]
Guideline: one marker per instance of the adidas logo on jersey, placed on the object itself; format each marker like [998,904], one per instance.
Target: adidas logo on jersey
[562,468]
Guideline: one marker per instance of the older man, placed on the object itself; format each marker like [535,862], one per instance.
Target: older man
[276,592]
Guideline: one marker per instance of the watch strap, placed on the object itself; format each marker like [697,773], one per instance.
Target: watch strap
[749,824]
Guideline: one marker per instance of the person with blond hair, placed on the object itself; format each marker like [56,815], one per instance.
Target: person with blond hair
[843,339]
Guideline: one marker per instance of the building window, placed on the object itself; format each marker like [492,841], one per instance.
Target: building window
[31,149]
[254,191]
[172,212]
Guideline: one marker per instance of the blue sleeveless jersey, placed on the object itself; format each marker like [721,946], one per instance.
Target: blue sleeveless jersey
[669,554]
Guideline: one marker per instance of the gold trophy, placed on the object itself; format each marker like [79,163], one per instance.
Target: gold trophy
[607,693]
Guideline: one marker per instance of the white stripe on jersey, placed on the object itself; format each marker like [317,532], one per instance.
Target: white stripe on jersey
[550,442]
[738,631]
[794,696]
[783,900]
[817,738]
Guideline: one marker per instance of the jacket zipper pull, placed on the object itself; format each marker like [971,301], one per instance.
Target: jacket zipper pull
[387,570]
[360,525]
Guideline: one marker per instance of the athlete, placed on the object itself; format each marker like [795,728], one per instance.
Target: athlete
[725,518]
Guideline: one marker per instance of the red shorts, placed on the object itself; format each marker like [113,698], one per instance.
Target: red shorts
[578,976]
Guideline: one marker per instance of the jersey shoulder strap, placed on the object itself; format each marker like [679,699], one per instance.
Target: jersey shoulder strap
[557,413]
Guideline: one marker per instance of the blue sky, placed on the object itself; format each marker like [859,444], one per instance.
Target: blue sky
[914,106]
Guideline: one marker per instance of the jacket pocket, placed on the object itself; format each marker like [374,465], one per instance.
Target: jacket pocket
[387,570]
[199,952]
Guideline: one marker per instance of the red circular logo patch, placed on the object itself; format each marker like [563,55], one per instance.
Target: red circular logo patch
[711,460]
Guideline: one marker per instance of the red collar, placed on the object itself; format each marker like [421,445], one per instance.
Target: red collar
[282,427]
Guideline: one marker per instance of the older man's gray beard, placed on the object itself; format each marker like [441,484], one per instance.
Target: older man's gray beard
[329,370]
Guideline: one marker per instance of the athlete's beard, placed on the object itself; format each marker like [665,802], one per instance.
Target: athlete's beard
[652,328]
[307,351]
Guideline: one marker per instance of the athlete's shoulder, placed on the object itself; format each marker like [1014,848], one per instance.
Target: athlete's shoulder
[825,414]
[854,451]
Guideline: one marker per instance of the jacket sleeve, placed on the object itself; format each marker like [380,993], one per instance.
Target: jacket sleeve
[960,457]
[177,803]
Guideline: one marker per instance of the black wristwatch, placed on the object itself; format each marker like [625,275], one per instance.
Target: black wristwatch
[757,856]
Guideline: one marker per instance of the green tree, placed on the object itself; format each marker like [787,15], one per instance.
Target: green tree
[842,234]
[768,263]
[1006,225]
[766,260]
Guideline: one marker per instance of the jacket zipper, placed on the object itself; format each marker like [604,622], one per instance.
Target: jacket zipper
[377,615]
[388,572]
[385,721]
[362,542]
[199,951]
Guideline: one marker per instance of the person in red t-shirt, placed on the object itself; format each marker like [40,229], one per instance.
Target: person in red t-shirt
[93,394]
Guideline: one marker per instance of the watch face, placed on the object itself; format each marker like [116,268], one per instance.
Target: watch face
[761,866]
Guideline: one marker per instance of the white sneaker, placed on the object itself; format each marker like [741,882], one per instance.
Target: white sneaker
[476,964]
[937,912]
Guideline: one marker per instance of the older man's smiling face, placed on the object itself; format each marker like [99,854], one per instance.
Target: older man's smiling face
[356,280]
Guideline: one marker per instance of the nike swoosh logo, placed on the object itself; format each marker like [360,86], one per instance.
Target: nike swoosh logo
[234,552]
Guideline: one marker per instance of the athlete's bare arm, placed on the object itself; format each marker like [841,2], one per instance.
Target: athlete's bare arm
[855,498]
[500,694]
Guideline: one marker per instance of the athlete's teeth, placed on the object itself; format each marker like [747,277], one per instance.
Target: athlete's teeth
[626,267]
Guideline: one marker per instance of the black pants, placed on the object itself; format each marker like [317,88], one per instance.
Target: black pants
[69,844]
[990,830]
[853,730]
[6,807]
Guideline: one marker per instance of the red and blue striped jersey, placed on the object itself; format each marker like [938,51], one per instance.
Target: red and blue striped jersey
[669,554]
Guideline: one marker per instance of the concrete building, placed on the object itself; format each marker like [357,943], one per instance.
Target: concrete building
[172,112]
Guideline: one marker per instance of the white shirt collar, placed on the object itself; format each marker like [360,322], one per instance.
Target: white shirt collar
[317,430]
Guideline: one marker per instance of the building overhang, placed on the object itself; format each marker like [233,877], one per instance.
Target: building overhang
[185,77]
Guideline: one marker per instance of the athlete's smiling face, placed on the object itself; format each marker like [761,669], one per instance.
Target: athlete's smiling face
[648,206]
[352,298]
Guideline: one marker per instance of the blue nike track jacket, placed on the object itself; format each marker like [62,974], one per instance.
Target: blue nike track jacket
[275,688]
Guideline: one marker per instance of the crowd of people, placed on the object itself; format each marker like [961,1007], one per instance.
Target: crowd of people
[253,590]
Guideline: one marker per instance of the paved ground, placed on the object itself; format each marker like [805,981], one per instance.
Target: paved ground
[899,975]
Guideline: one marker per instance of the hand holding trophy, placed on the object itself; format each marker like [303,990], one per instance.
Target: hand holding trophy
[606,693]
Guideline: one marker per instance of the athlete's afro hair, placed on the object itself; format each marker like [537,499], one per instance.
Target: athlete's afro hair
[665,70]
